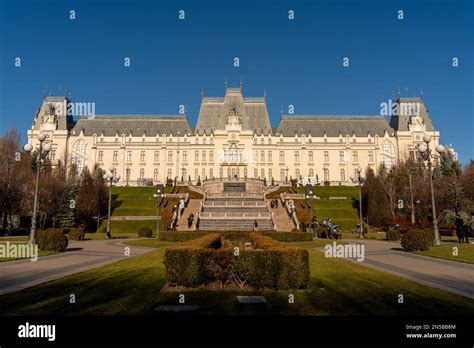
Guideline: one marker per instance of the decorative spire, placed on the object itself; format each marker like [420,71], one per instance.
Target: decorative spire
[225,83]
[264,92]
[240,83]
[421,93]
[398,92]
[202,92]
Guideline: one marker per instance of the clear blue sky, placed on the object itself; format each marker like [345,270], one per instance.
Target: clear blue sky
[298,62]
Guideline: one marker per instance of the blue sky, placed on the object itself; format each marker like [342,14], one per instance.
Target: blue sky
[298,61]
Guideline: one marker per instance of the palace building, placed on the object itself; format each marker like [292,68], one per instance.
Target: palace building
[233,137]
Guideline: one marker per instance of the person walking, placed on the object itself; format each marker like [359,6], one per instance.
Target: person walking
[255,225]
[459,228]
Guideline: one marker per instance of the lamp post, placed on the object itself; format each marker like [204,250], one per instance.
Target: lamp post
[310,196]
[158,195]
[359,180]
[42,152]
[427,154]
[111,177]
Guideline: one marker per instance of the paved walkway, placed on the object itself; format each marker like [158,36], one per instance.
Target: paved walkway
[78,257]
[452,276]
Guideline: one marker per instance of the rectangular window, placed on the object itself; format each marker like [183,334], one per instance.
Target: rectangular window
[203,174]
[142,156]
[270,156]
[341,156]
[326,174]
[262,156]
[371,156]
[255,173]
[170,156]
[142,174]
[343,175]
[263,173]
[170,174]
[204,156]
[127,174]
[326,156]
[101,156]
[129,156]
[115,158]
[297,156]
[196,156]
[356,156]
[310,156]
[211,157]
[185,156]
[211,171]
[196,174]
[282,156]
[155,174]
[282,175]
[270,174]
[156,156]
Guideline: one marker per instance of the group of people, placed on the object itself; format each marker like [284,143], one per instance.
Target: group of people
[330,229]
[274,203]
[462,231]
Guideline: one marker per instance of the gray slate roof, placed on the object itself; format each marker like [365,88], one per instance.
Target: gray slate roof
[332,126]
[131,124]
[401,122]
[214,113]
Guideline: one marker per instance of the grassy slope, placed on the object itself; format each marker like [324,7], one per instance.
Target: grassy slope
[342,212]
[132,286]
[445,251]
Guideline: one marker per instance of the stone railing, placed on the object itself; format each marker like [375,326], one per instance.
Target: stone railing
[233,195]
[234,215]
[259,204]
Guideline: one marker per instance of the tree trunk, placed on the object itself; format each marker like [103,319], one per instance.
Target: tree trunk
[412,200]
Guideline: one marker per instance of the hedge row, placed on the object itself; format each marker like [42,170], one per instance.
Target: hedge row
[174,236]
[270,264]
[53,239]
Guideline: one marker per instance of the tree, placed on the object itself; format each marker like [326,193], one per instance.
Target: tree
[10,178]
[67,211]
[91,198]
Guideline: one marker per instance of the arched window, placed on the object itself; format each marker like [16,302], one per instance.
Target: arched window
[388,154]
[79,157]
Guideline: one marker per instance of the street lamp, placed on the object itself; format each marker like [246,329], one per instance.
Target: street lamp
[310,196]
[43,151]
[111,177]
[427,154]
[158,195]
[359,180]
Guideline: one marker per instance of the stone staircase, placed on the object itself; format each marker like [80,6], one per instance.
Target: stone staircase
[193,207]
[282,220]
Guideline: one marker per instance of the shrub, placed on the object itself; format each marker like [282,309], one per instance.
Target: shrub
[76,234]
[270,264]
[392,235]
[52,239]
[145,231]
[296,236]
[417,240]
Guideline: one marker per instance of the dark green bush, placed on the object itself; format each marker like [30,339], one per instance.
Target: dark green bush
[76,234]
[417,240]
[174,236]
[392,235]
[145,231]
[53,239]
[270,264]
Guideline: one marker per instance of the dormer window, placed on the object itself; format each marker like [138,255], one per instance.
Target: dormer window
[101,140]
[116,140]
[254,140]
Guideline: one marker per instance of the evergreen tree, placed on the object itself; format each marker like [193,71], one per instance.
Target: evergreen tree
[67,214]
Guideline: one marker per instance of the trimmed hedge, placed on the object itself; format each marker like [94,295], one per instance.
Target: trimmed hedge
[270,264]
[417,240]
[174,236]
[393,235]
[76,234]
[53,239]
[145,231]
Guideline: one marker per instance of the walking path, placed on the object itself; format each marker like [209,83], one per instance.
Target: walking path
[78,257]
[452,276]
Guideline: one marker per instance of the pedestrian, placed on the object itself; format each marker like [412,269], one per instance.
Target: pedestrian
[314,228]
[459,228]
[255,225]
[272,203]
[276,202]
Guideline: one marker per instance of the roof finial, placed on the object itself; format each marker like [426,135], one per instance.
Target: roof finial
[264,92]
[240,83]
[202,92]
[281,109]
[225,83]
[398,92]
[45,91]
[421,93]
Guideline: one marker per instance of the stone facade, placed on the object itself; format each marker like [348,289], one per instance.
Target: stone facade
[233,137]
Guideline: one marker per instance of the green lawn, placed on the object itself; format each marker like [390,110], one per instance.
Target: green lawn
[465,252]
[133,201]
[132,286]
